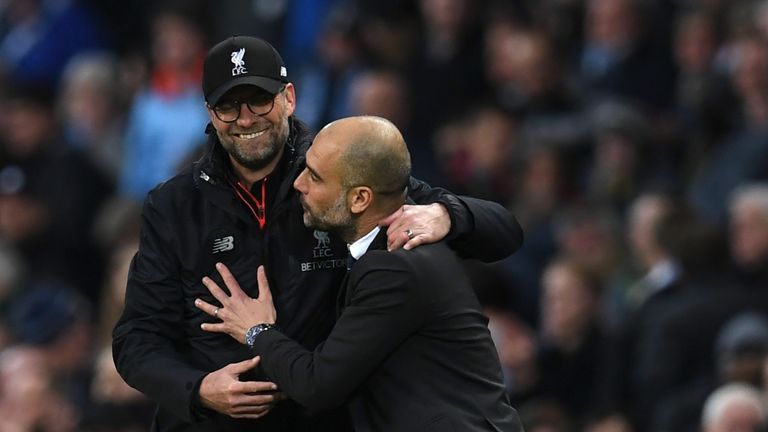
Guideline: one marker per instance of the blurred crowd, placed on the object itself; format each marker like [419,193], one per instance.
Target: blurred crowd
[630,138]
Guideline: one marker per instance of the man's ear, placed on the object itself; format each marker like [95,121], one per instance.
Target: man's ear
[359,198]
[290,98]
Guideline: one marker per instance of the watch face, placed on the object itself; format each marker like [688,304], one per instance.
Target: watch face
[253,332]
[250,336]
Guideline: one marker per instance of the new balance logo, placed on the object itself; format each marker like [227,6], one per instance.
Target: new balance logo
[223,244]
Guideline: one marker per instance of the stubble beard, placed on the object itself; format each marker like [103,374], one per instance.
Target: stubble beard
[336,219]
[262,156]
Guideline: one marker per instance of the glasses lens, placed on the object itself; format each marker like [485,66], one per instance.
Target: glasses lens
[227,111]
[261,106]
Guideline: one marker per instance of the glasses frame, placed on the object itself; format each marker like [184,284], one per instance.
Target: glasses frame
[239,105]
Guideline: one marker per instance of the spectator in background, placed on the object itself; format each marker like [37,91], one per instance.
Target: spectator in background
[749,234]
[538,198]
[54,322]
[734,408]
[703,100]
[571,339]
[741,348]
[28,399]
[381,92]
[445,71]
[622,56]
[619,166]
[477,152]
[166,117]
[90,110]
[545,416]
[326,80]
[112,401]
[659,269]
[659,233]
[384,93]
[551,126]
[266,19]
[742,155]
[49,193]
[526,78]
[590,237]
[388,32]
[39,37]
[686,338]
[12,273]
[515,340]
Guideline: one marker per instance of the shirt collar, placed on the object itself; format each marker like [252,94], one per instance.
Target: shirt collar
[359,247]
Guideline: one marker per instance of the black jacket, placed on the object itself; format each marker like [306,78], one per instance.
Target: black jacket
[411,350]
[193,221]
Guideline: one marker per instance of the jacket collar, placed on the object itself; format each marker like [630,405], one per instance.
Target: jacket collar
[212,172]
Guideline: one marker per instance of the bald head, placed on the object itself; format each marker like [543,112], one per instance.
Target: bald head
[372,152]
[357,170]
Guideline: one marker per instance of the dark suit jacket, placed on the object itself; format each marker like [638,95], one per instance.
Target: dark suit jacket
[411,350]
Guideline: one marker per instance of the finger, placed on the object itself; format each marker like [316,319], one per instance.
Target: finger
[254,387]
[206,307]
[280,396]
[389,220]
[396,239]
[217,292]
[264,293]
[214,327]
[229,280]
[243,366]
[252,416]
[251,409]
[400,223]
[396,224]
[417,240]
[256,400]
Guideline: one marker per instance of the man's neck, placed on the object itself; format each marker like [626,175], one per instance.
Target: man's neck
[367,221]
[363,227]
[248,176]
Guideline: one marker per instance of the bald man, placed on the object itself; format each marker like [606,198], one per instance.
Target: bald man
[411,350]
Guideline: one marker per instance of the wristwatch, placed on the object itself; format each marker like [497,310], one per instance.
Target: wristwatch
[250,335]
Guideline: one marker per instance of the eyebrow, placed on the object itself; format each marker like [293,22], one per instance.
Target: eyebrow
[311,170]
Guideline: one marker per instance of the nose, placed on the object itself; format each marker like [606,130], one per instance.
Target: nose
[298,184]
[246,117]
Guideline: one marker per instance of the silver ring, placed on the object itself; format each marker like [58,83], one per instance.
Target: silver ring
[216,312]
[410,234]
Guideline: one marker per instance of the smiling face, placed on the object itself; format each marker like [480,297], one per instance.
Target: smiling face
[252,141]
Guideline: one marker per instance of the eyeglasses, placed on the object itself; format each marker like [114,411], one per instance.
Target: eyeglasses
[261,104]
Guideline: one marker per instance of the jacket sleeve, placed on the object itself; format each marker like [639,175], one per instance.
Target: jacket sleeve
[480,229]
[147,340]
[384,310]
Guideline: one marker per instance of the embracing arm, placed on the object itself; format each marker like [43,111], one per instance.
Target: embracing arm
[385,308]
[479,229]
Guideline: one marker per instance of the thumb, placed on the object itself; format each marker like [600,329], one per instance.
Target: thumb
[264,293]
[244,366]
